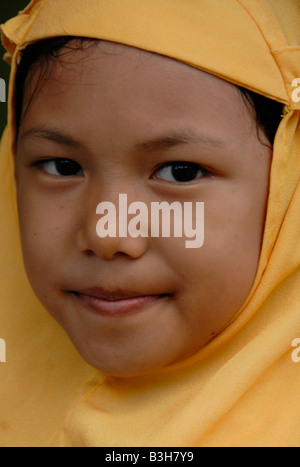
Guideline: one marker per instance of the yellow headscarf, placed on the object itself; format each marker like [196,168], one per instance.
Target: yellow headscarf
[242,389]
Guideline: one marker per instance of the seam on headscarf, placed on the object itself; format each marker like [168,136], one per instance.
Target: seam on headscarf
[79,401]
[277,53]
[274,30]
[39,7]
[84,395]
[30,18]
[269,18]
[290,48]
[275,231]
[283,144]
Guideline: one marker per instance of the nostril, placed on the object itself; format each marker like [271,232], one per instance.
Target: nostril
[89,253]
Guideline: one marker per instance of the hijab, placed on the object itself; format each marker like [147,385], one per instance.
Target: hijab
[241,389]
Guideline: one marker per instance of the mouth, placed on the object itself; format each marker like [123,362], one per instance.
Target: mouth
[116,303]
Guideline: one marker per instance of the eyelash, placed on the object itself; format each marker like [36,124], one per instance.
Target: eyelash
[42,164]
[182,165]
[188,168]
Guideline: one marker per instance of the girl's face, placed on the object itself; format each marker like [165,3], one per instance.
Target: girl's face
[113,119]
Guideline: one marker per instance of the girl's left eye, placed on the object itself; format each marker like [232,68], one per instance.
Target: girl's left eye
[61,167]
[181,172]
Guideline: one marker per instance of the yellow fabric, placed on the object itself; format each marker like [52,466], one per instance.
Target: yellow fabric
[242,389]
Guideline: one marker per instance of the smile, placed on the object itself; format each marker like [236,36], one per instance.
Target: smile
[115,305]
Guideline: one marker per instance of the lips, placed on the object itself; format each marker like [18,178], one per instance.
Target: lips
[117,302]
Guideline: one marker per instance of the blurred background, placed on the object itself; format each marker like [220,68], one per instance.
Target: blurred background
[8,8]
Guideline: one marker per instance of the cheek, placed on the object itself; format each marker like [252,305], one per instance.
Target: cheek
[216,279]
[43,228]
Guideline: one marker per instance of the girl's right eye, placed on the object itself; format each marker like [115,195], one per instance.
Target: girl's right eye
[61,167]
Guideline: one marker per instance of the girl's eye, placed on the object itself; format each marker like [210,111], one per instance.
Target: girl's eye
[181,172]
[61,167]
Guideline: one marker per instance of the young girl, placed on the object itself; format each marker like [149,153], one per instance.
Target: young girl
[161,101]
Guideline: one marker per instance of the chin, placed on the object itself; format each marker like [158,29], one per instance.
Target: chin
[120,366]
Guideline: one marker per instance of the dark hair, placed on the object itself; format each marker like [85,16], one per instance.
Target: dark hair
[268,112]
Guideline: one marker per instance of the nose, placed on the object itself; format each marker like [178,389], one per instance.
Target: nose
[105,232]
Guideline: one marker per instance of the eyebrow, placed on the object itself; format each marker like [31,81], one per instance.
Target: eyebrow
[177,138]
[161,143]
[52,135]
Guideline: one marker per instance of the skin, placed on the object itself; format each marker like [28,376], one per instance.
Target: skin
[110,100]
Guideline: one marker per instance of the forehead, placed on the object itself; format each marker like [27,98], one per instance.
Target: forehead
[78,63]
[116,83]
